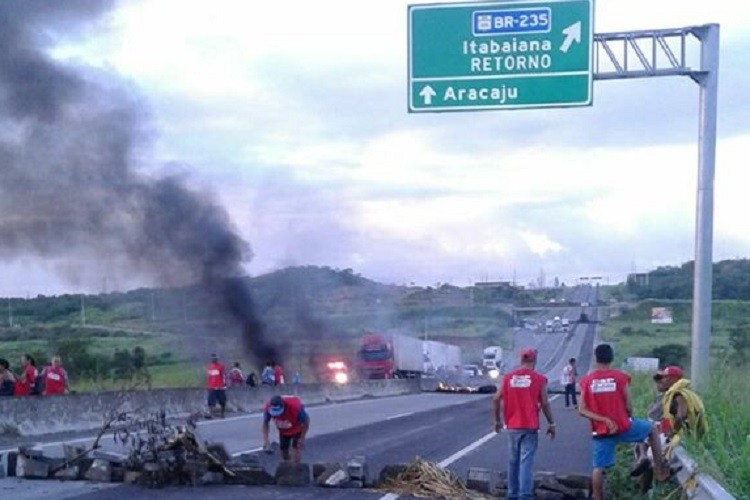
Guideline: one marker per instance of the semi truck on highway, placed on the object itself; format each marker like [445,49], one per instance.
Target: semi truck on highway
[384,355]
[492,360]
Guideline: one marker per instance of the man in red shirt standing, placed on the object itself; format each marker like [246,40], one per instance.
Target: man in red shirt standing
[216,385]
[292,421]
[521,394]
[55,378]
[605,401]
[27,380]
[278,374]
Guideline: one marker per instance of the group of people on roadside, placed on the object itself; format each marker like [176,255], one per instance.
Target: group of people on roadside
[287,412]
[218,379]
[28,380]
[605,400]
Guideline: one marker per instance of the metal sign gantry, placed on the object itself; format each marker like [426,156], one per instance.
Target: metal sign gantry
[639,54]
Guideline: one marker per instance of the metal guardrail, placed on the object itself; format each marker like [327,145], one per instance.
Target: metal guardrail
[698,486]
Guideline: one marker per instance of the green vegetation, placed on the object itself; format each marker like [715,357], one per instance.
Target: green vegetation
[731,281]
[725,452]
[309,310]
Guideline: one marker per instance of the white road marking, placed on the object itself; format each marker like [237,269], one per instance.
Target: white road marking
[476,444]
[252,450]
[392,417]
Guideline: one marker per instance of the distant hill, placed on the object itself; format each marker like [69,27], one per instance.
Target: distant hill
[731,281]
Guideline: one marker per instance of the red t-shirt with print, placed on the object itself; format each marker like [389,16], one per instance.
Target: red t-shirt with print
[603,392]
[522,395]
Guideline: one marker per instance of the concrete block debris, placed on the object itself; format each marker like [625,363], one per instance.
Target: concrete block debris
[551,486]
[132,477]
[100,471]
[30,451]
[249,475]
[11,463]
[249,459]
[72,451]
[357,469]
[337,478]
[32,468]
[329,474]
[353,484]
[68,474]
[288,474]
[478,479]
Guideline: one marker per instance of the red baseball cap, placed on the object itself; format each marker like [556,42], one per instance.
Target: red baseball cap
[670,371]
[528,354]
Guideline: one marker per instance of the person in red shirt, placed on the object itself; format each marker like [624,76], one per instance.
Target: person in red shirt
[55,378]
[292,422]
[236,378]
[520,396]
[216,386]
[27,380]
[605,401]
[278,374]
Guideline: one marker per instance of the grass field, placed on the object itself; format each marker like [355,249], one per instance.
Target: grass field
[725,452]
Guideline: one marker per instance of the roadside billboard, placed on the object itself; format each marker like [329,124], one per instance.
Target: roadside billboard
[661,315]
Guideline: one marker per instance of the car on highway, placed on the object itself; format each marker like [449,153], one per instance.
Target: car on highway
[472,370]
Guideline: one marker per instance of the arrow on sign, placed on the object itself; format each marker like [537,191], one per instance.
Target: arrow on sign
[572,34]
[427,93]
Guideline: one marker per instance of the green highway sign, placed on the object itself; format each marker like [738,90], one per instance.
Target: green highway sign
[500,55]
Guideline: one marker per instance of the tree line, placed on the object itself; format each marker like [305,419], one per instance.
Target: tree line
[731,281]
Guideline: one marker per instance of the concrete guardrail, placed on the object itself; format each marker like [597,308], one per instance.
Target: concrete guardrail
[37,415]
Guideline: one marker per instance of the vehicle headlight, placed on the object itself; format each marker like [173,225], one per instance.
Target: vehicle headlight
[341,378]
[494,373]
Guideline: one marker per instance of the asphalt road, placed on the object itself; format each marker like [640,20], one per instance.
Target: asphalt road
[450,429]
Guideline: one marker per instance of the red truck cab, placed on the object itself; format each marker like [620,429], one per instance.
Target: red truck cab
[375,357]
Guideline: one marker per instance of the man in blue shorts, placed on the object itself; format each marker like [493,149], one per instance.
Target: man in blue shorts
[605,401]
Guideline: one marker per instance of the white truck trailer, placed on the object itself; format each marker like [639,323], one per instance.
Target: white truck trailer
[440,357]
[492,360]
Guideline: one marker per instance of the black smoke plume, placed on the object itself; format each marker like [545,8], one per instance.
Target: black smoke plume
[70,140]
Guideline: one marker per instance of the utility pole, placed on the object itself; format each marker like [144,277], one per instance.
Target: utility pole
[83,311]
[10,314]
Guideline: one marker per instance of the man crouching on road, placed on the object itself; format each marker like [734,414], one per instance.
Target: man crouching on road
[292,421]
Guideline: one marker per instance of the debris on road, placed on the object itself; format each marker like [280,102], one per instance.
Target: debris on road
[466,389]
[424,479]
[552,486]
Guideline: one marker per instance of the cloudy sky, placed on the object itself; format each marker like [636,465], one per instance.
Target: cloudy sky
[293,117]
